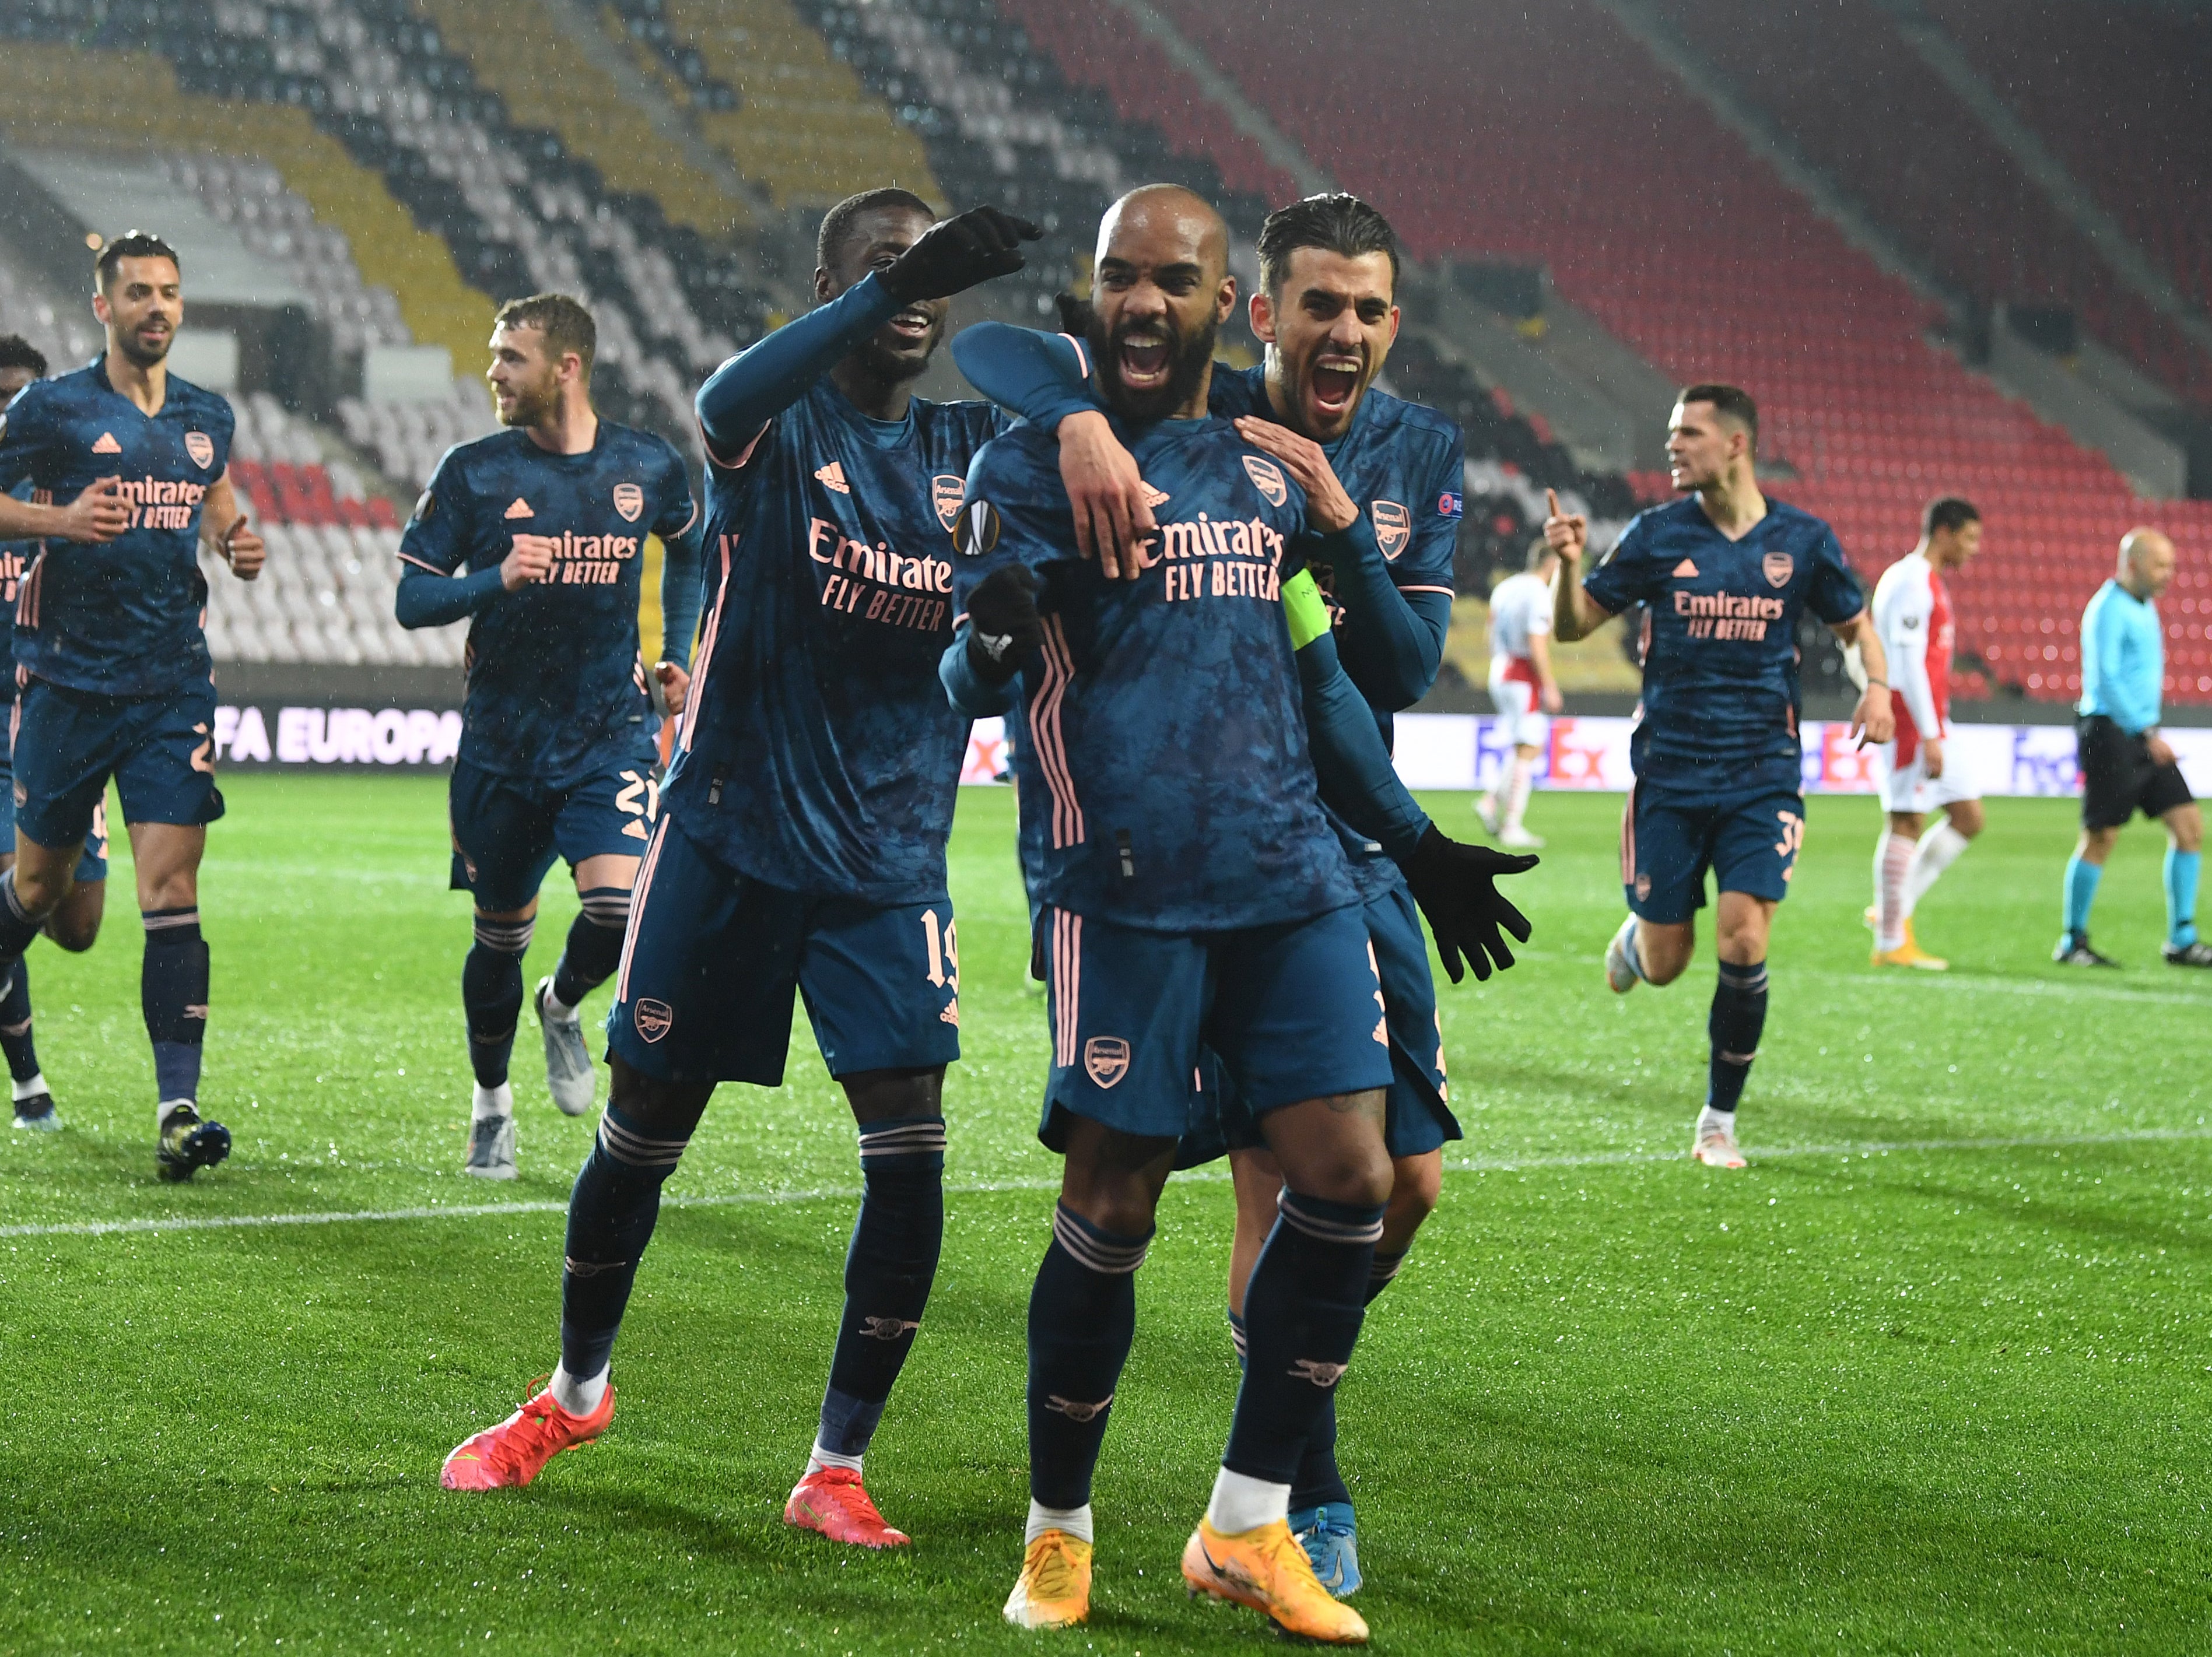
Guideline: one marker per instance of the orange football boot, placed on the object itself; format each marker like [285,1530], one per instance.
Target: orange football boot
[833,1500]
[513,1452]
[1266,1569]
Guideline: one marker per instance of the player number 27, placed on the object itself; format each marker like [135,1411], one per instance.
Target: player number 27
[943,943]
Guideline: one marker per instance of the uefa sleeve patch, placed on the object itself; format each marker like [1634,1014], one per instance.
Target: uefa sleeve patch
[425,504]
[979,529]
[1451,506]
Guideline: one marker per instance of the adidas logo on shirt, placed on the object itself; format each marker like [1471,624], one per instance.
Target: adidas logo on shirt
[107,445]
[520,509]
[1152,497]
[1686,567]
[833,476]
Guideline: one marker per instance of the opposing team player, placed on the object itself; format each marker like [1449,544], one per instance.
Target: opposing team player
[75,923]
[1913,617]
[2126,765]
[557,753]
[801,846]
[1195,894]
[1522,688]
[1726,574]
[112,662]
[1385,475]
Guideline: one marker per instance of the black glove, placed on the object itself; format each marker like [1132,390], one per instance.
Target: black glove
[1003,624]
[1452,884]
[977,245]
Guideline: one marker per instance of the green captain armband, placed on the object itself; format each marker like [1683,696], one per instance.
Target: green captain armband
[1305,609]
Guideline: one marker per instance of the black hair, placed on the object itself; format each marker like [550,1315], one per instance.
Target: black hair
[1337,223]
[1730,403]
[837,224]
[1949,512]
[567,324]
[131,244]
[17,352]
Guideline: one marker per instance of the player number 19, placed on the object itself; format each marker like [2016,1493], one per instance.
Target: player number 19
[943,946]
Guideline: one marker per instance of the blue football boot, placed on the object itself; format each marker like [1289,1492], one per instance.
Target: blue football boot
[1331,1539]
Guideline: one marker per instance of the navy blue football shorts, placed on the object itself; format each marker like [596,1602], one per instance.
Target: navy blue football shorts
[507,830]
[1750,841]
[91,863]
[67,744]
[1293,1011]
[1417,1119]
[714,957]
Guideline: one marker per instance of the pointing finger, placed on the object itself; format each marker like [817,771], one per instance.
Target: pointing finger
[1552,497]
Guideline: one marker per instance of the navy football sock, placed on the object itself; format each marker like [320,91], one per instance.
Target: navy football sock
[611,1214]
[1236,1337]
[594,945]
[15,1025]
[1318,1479]
[1739,1015]
[1301,1314]
[1082,1318]
[491,994]
[173,994]
[18,929]
[888,1273]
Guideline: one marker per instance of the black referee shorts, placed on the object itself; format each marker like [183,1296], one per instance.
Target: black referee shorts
[2120,778]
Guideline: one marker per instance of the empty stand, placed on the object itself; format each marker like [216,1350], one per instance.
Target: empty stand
[1546,134]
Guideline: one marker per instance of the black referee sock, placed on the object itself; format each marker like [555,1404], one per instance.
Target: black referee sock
[1303,1309]
[15,1025]
[172,994]
[888,1273]
[491,995]
[1082,1320]
[611,1214]
[1319,1482]
[1739,1015]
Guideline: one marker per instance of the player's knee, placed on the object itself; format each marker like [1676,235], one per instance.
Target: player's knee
[886,1095]
[42,890]
[1417,1184]
[2186,828]
[73,931]
[664,1110]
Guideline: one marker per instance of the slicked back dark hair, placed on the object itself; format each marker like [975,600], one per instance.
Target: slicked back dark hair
[1336,223]
[17,352]
[566,322]
[131,244]
[1949,512]
[837,224]
[1730,403]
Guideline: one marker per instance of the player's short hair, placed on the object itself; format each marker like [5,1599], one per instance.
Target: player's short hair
[838,224]
[1730,403]
[17,352]
[1949,512]
[1539,551]
[566,322]
[131,244]
[1335,223]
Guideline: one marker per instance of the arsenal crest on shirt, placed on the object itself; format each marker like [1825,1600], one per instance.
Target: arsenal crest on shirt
[1779,566]
[947,493]
[201,447]
[629,501]
[1393,526]
[1267,478]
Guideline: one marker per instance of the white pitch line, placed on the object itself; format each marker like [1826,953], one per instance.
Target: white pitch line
[2041,988]
[983,1187]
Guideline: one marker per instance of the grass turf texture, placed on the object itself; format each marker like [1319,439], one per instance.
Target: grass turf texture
[1943,1395]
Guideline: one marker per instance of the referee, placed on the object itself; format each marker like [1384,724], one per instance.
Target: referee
[2125,765]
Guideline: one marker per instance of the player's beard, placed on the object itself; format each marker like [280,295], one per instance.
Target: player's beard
[141,352]
[1186,357]
[533,405]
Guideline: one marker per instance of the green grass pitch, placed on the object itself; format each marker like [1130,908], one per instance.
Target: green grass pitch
[1930,1375]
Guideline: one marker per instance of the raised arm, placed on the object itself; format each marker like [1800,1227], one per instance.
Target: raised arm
[1575,614]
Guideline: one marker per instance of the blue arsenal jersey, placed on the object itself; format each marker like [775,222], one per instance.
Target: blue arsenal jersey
[124,618]
[819,754]
[556,680]
[1720,666]
[1165,764]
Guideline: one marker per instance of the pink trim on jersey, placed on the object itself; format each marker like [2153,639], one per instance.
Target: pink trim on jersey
[1628,839]
[1082,357]
[410,558]
[1415,589]
[705,657]
[714,459]
[637,908]
[1051,744]
[27,597]
[1067,984]
[694,518]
